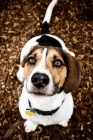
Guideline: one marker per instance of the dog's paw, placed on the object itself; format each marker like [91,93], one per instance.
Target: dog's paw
[20,74]
[64,123]
[29,126]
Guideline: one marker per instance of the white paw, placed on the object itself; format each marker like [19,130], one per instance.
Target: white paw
[64,123]
[20,74]
[29,126]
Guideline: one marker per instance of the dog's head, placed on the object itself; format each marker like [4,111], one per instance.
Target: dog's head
[50,70]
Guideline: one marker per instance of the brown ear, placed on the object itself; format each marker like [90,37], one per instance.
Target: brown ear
[73,73]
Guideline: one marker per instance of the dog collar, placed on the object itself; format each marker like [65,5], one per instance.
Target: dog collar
[32,111]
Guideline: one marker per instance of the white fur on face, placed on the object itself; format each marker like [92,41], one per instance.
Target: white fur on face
[41,68]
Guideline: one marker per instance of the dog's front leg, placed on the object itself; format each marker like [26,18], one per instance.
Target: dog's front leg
[64,123]
[30,126]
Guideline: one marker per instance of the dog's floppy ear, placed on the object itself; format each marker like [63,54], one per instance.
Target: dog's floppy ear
[20,73]
[73,73]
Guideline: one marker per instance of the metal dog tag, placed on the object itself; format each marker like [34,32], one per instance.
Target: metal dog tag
[29,112]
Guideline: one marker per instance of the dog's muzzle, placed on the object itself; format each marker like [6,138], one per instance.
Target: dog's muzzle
[40,80]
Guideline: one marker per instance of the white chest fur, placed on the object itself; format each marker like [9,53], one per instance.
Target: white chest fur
[47,104]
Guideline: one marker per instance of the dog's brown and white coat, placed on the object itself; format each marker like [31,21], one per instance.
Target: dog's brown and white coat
[49,72]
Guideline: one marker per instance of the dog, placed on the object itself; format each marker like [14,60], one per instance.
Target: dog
[49,72]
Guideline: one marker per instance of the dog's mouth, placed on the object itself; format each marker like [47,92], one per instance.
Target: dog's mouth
[39,92]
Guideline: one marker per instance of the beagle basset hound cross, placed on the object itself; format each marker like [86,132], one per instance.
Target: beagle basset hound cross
[49,72]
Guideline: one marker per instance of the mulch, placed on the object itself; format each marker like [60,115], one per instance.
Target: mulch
[72,20]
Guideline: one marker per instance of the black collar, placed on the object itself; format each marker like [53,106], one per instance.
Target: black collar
[44,113]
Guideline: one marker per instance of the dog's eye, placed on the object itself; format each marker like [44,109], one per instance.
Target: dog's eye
[31,60]
[57,63]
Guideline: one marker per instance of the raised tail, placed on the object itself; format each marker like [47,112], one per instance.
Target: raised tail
[47,18]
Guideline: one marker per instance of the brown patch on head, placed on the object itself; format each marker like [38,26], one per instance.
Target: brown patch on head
[56,66]
[32,61]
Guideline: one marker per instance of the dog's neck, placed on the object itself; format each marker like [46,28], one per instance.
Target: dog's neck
[42,112]
[45,102]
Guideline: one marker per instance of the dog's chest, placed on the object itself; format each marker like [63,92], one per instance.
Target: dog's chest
[46,120]
[65,110]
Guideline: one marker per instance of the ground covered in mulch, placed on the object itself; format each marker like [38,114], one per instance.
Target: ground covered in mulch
[72,20]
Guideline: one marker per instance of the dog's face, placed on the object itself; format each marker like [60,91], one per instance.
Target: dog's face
[47,71]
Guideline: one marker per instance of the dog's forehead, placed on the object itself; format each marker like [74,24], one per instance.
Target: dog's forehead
[37,50]
[54,53]
[47,52]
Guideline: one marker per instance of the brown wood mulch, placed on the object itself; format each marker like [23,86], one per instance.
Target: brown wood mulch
[72,20]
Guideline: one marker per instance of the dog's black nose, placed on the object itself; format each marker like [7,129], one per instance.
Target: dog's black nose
[40,80]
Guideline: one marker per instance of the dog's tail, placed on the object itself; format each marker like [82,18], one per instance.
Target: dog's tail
[47,17]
